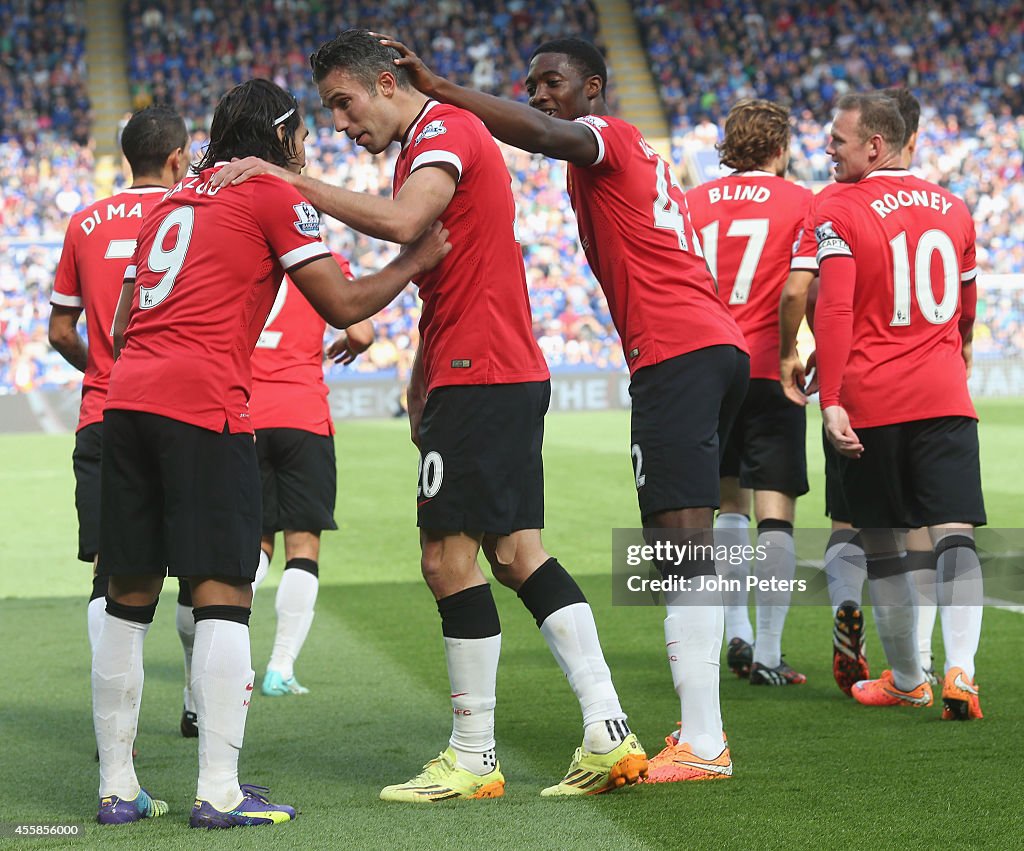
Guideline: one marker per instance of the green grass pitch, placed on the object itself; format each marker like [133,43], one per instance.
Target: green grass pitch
[813,769]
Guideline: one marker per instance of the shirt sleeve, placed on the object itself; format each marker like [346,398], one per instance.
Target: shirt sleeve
[289,222]
[831,232]
[610,139]
[448,140]
[833,328]
[67,290]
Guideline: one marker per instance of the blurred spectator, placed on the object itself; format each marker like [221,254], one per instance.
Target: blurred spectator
[964,61]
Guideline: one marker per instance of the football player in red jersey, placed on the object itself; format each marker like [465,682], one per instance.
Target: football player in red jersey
[99,242]
[180,488]
[748,223]
[688,362]
[295,447]
[896,307]
[477,399]
[844,558]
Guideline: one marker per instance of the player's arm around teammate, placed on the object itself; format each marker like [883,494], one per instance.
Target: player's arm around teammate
[477,400]
[685,385]
[180,490]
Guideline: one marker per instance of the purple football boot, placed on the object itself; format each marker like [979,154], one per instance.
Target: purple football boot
[254,809]
[114,810]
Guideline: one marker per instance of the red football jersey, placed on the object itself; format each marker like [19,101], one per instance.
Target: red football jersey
[209,262]
[749,225]
[913,245]
[288,389]
[476,326]
[641,246]
[99,244]
[805,251]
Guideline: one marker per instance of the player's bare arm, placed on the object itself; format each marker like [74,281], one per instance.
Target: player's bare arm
[121,314]
[402,219]
[531,128]
[344,303]
[64,337]
[351,342]
[792,309]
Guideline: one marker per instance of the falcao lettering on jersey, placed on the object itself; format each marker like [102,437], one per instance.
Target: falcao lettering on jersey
[200,187]
[113,211]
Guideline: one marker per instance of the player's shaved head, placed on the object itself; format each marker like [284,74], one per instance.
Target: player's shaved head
[755,132]
[583,56]
[909,107]
[878,116]
[150,137]
[245,125]
[361,55]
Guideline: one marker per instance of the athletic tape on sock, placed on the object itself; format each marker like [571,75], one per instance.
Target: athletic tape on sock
[99,587]
[548,589]
[136,614]
[184,593]
[470,613]
[235,614]
[306,564]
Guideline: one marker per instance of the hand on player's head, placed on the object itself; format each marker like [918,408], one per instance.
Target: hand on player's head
[429,248]
[239,171]
[419,74]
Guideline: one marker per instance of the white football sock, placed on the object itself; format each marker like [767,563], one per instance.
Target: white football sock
[773,605]
[262,569]
[693,639]
[472,675]
[296,597]
[94,619]
[892,601]
[117,678]
[222,688]
[186,625]
[960,593]
[846,571]
[571,635]
[732,530]
[923,578]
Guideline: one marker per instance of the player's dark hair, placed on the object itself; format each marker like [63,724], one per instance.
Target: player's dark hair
[909,107]
[245,125]
[583,55]
[150,137]
[360,54]
[755,131]
[879,116]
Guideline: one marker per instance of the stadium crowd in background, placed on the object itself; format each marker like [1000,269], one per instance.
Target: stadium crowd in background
[973,145]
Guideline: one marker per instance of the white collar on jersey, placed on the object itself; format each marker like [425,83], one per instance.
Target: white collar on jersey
[410,134]
[754,172]
[888,172]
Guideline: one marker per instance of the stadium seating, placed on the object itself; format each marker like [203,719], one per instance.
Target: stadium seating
[964,61]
